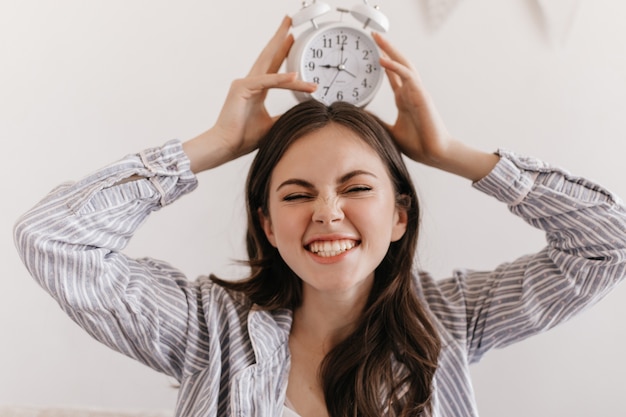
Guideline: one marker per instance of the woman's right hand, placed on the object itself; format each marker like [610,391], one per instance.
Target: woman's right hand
[244,119]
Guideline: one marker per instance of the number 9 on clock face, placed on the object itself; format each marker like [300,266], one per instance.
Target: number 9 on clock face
[343,61]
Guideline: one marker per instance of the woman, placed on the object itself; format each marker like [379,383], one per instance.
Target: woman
[331,320]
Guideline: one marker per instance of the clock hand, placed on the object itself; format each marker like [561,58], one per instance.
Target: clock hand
[338,67]
[331,83]
[341,56]
[341,60]
[349,73]
[342,67]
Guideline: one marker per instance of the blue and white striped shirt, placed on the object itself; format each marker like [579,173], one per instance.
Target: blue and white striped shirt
[232,358]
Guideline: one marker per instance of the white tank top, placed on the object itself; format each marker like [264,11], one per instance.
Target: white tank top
[288,409]
[288,412]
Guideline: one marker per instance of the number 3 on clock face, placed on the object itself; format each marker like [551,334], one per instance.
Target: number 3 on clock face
[343,61]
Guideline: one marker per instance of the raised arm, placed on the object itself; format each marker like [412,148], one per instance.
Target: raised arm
[585,228]
[72,241]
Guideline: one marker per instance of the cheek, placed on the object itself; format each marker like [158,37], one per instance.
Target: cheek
[378,213]
[289,224]
[374,221]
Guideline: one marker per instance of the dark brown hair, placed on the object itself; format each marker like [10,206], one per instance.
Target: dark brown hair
[362,375]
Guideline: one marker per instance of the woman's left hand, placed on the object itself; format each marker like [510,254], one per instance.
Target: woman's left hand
[419,131]
[244,119]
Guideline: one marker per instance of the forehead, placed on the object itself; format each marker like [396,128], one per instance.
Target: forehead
[333,149]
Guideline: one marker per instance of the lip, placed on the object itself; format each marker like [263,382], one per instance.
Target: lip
[325,260]
[330,237]
[326,238]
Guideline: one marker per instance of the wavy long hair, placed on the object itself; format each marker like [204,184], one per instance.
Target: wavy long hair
[386,366]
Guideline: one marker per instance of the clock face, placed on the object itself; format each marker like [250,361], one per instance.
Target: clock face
[343,62]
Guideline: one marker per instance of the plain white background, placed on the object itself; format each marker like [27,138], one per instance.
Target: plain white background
[83,83]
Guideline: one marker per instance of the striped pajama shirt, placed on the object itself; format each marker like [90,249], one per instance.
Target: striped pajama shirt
[232,358]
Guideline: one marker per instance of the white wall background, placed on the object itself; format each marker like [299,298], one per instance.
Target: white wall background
[83,83]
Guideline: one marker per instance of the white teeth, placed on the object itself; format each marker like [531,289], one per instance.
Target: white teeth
[329,248]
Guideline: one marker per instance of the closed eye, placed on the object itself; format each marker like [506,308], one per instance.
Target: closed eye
[296,197]
[358,189]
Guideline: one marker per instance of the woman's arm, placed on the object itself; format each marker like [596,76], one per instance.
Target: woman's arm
[72,241]
[584,259]
[585,228]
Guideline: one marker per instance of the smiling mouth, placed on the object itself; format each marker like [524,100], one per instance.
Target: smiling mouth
[328,248]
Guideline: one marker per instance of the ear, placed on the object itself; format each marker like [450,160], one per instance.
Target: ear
[401,219]
[266,224]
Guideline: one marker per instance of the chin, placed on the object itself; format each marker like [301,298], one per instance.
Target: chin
[339,285]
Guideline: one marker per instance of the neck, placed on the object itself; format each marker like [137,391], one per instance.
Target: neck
[325,319]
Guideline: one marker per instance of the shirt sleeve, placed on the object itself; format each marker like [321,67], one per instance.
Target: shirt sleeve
[71,241]
[584,259]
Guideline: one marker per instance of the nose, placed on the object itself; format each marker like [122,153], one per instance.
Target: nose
[327,210]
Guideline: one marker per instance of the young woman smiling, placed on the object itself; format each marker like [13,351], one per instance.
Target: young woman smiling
[333,320]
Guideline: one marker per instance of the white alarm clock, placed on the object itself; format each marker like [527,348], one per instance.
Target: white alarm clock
[342,59]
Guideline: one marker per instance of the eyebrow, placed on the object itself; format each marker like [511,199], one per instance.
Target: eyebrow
[342,179]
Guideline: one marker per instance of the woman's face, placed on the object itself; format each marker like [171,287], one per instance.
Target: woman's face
[332,211]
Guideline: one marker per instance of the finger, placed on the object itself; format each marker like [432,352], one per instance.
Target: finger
[394,79]
[288,81]
[254,85]
[281,54]
[391,51]
[276,44]
[400,72]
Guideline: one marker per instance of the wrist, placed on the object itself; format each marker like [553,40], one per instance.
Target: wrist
[466,161]
[206,151]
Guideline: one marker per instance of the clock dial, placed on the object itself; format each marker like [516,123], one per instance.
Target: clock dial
[344,63]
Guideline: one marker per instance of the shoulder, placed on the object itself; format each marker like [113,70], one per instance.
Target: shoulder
[216,299]
[440,295]
[232,322]
[446,302]
[229,308]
